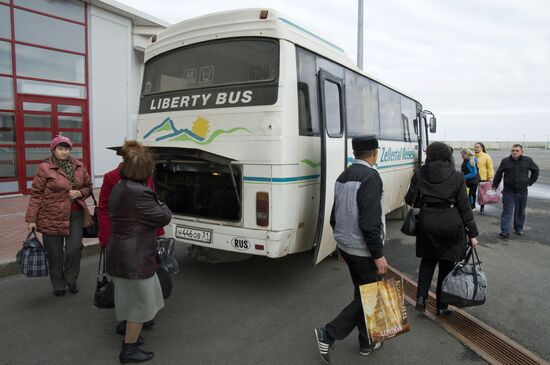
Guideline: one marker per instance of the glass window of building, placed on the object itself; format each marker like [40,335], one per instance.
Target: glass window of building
[6,93]
[70,9]
[45,31]
[5,22]
[46,64]
[5,58]
[391,123]
[50,89]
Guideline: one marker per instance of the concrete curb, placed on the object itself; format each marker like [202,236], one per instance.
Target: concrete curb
[10,267]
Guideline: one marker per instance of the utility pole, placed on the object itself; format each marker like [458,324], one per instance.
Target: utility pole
[360,35]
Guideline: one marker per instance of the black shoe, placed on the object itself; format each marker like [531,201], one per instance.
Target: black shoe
[519,232]
[482,209]
[149,324]
[132,353]
[504,235]
[73,288]
[59,293]
[323,344]
[421,304]
[367,350]
[444,312]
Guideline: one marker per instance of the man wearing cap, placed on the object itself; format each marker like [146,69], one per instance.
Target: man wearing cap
[359,228]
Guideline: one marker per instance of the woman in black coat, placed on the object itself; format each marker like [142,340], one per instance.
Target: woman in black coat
[444,220]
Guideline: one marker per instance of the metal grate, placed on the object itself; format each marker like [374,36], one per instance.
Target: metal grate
[491,345]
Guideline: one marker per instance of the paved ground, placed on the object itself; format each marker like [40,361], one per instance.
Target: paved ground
[257,311]
[262,311]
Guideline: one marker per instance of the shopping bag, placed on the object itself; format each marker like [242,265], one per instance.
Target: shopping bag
[93,230]
[104,296]
[166,254]
[384,309]
[466,285]
[32,258]
[485,194]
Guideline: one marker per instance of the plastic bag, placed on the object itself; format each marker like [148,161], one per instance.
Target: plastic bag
[384,309]
[485,194]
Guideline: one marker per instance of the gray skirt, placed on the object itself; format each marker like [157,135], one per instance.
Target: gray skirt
[137,300]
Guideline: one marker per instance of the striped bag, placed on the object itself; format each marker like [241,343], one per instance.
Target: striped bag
[33,258]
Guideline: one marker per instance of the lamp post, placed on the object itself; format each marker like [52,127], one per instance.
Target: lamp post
[360,35]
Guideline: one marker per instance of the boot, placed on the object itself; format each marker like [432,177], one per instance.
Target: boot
[132,353]
[421,304]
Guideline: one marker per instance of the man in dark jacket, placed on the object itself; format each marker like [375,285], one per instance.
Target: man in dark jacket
[519,173]
[359,228]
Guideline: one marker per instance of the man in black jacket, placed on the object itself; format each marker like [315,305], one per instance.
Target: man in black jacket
[519,173]
[358,222]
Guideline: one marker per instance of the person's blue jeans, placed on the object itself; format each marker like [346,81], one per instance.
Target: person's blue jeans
[513,205]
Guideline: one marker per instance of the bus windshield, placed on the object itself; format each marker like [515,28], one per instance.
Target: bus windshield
[217,63]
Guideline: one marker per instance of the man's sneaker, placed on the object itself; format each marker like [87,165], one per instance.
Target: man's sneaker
[366,351]
[519,232]
[504,235]
[324,344]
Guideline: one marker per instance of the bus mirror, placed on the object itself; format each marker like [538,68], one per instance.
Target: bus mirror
[433,126]
[415,126]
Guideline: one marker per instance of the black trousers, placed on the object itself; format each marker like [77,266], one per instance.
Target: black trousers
[472,194]
[426,273]
[363,271]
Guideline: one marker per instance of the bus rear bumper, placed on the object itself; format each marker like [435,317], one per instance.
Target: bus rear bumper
[248,241]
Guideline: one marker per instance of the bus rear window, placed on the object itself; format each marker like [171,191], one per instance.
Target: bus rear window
[216,63]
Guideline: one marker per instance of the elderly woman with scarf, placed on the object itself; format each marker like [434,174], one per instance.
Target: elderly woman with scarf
[58,210]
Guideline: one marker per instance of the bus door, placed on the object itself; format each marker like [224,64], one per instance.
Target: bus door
[333,157]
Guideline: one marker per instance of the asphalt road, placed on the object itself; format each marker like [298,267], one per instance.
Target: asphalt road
[257,311]
[263,311]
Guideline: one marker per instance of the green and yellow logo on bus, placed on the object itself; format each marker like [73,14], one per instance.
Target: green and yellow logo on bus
[198,132]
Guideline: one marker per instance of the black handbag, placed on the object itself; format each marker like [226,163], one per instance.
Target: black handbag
[165,280]
[466,285]
[33,257]
[410,222]
[104,296]
[93,230]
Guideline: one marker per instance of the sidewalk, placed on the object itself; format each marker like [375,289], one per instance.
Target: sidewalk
[13,231]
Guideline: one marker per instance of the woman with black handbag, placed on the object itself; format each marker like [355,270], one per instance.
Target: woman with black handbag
[135,213]
[110,179]
[58,210]
[445,217]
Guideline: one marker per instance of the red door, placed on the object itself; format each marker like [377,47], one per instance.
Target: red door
[39,119]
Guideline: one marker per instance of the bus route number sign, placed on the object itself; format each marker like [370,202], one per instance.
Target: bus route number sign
[193,234]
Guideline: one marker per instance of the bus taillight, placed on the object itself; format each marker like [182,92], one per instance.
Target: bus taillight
[262,209]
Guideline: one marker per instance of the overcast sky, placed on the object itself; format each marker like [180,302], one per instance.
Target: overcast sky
[483,67]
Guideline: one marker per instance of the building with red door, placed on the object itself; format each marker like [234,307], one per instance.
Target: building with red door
[68,67]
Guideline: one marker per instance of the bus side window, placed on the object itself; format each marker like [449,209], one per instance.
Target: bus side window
[304,109]
[391,124]
[308,104]
[361,105]
[406,133]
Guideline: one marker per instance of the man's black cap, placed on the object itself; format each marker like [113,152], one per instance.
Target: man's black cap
[364,143]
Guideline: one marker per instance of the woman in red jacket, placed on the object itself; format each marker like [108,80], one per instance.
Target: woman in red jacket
[58,210]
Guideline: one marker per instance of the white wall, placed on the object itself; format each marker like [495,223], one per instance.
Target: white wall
[113,100]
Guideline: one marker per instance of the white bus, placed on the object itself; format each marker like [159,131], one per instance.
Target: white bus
[251,117]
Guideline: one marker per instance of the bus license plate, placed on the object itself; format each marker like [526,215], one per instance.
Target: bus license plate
[193,234]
